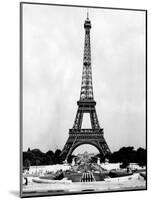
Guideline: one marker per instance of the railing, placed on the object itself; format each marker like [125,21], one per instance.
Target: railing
[86,131]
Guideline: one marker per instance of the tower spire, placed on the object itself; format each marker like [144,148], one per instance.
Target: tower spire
[87,13]
[86,85]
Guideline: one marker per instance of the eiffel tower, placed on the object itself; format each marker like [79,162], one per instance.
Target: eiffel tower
[86,104]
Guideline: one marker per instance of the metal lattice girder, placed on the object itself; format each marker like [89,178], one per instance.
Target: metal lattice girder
[85,137]
[93,117]
[86,85]
[86,104]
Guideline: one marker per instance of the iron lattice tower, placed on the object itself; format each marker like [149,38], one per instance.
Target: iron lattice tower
[86,104]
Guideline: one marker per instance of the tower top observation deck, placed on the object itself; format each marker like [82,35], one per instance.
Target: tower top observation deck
[87,23]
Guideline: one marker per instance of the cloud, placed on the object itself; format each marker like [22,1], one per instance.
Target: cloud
[53,42]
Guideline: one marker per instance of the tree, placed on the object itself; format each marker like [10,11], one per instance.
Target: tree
[70,158]
[125,164]
[50,153]
[141,156]
[26,163]
[37,162]
[124,153]
[57,152]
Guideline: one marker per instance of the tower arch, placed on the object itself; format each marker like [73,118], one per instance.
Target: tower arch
[79,144]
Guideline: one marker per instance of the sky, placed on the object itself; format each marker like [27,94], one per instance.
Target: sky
[53,45]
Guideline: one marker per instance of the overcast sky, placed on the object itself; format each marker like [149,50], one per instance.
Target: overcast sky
[53,44]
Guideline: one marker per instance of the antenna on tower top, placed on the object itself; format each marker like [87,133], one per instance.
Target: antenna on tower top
[87,13]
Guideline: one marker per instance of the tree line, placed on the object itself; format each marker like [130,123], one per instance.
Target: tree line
[124,155]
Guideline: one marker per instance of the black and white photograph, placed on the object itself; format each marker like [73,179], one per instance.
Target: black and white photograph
[83,99]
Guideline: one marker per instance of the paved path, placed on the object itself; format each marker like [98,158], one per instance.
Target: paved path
[85,186]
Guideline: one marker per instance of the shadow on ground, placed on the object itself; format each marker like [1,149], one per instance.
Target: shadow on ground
[14,193]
